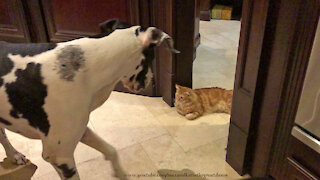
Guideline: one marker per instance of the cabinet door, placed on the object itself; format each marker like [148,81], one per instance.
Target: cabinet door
[66,20]
[13,24]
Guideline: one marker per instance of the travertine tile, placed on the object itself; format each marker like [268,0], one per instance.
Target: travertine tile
[217,54]
[169,156]
[135,161]
[166,153]
[207,161]
[221,146]
[97,169]
[156,106]
[128,124]
[191,134]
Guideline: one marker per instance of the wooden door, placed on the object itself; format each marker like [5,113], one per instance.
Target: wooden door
[297,25]
[180,19]
[13,23]
[249,77]
[66,20]
[275,45]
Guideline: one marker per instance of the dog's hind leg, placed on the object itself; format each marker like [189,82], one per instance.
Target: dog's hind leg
[91,139]
[13,155]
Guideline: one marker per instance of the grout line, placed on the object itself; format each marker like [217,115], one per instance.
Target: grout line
[153,163]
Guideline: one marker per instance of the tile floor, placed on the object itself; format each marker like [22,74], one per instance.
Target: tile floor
[217,54]
[149,135]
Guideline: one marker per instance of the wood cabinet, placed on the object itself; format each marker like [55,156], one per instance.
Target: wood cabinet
[60,20]
[303,162]
[66,20]
[13,22]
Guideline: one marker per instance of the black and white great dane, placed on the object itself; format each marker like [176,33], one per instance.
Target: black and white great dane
[47,90]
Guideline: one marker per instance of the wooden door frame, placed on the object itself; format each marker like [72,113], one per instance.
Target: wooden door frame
[178,19]
[293,36]
[248,87]
[258,145]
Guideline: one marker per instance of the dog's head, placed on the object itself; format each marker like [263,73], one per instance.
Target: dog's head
[150,37]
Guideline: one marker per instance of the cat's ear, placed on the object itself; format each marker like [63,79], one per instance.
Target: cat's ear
[178,87]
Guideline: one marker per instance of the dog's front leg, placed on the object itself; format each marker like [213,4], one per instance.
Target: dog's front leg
[58,149]
[91,139]
[62,160]
[13,155]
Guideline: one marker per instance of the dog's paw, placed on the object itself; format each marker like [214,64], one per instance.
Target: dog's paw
[18,159]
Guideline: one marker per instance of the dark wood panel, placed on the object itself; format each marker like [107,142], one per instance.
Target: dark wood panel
[162,15]
[295,32]
[144,13]
[247,83]
[13,24]
[205,9]
[4,15]
[298,172]
[276,47]
[237,140]
[68,20]
[253,53]
[242,116]
[187,30]
[35,20]
[304,158]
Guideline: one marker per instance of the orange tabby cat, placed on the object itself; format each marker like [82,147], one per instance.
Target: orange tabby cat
[194,103]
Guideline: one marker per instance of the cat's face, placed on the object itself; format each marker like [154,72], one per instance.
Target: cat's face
[184,94]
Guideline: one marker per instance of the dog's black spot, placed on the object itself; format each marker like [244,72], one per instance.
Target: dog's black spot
[145,63]
[27,95]
[131,78]
[137,32]
[6,65]
[156,34]
[109,26]
[70,59]
[14,114]
[67,172]
[5,121]
[137,67]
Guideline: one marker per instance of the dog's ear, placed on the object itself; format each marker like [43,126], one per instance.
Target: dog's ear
[154,36]
[112,24]
[160,37]
[109,25]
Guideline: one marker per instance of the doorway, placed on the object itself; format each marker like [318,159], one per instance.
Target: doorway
[215,63]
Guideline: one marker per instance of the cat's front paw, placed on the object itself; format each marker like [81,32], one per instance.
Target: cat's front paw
[192,116]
